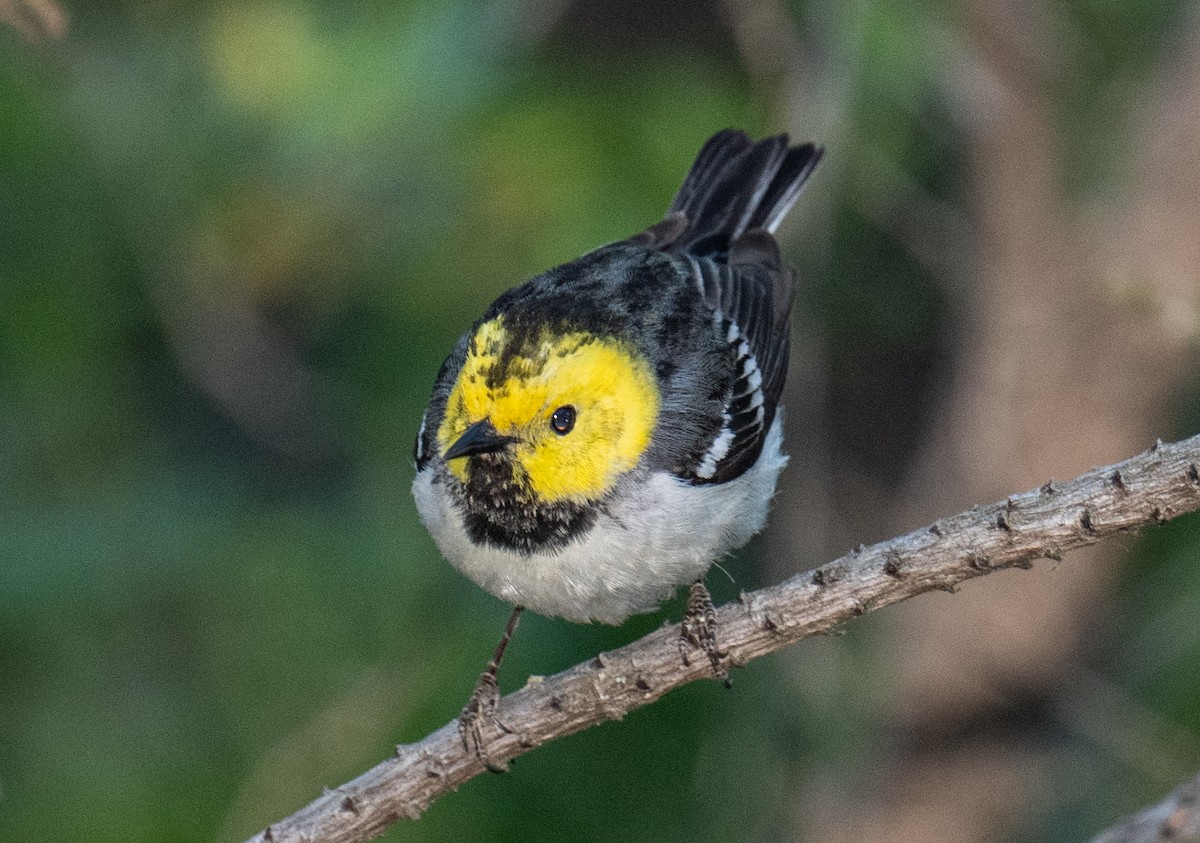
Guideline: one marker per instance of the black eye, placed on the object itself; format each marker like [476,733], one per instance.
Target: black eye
[563,420]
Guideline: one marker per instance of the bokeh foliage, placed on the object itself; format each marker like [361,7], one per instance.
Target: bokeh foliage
[236,241]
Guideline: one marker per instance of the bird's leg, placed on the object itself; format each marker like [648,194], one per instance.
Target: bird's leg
[484,701]
[699,630]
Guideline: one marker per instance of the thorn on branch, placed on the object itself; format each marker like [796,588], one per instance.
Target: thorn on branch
[1085,522]
[979,561]
[893,566]
[433,768]
[824,576]
[936,528]
[763,619]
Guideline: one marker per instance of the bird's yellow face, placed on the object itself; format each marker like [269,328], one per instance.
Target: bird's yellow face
[578,410]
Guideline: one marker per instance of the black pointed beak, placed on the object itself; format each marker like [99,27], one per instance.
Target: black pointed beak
[479,438]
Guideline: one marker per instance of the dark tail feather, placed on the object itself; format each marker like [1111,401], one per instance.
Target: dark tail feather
[736,185]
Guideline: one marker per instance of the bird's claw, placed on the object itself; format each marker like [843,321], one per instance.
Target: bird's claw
[698,631]
[482,706]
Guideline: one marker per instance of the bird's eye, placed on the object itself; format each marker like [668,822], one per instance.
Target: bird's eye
[563,420]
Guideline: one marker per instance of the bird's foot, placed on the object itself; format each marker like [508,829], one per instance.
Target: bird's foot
[698,631]
[481,708]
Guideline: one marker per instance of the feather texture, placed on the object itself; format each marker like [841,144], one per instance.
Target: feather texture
[700,302]
[721,222]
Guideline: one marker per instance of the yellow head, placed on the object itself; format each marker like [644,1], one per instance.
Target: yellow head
[577,410]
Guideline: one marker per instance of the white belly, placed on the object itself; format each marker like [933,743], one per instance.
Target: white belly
[659,534]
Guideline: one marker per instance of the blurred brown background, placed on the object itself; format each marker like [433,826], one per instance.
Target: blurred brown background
[237,239]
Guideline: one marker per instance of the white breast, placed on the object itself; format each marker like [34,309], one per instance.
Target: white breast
[658,533]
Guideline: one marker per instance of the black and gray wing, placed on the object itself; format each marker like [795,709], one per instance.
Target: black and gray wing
[720,225]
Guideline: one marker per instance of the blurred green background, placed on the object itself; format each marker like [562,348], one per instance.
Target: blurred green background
[236,241]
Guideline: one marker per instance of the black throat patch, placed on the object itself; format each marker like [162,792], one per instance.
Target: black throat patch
[499,509]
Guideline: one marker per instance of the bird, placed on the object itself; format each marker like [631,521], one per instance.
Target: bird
[608,429]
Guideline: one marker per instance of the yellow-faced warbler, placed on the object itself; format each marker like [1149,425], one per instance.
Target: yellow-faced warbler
[609,428]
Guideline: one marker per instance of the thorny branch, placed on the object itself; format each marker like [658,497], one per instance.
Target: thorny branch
[1152,487]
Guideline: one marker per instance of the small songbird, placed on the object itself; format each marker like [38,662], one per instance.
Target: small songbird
[610,428]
